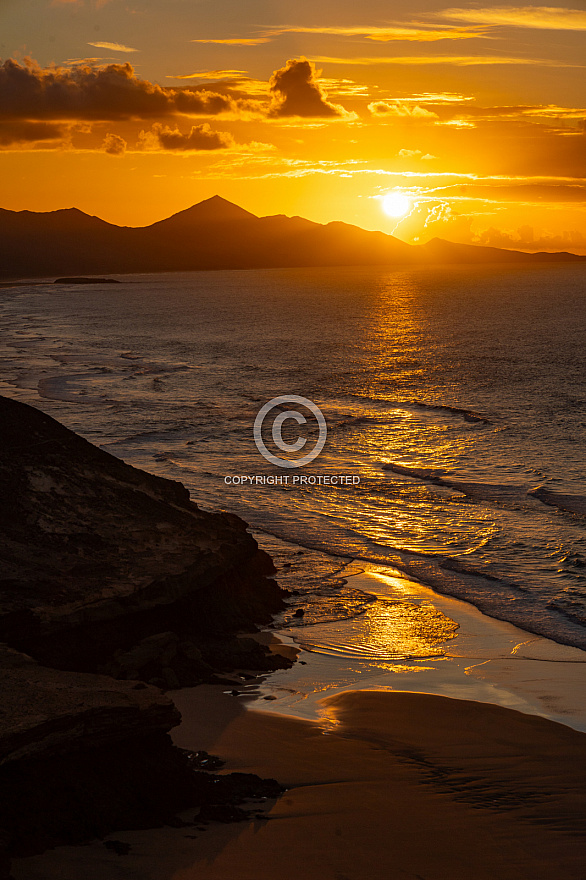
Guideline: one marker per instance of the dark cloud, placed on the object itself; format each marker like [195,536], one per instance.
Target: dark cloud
[114,145]
[17,132]
[113,92]
[201,137]
[296,93]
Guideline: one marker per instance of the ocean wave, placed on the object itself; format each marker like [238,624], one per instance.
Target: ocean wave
[569,503]
[496,492]
[496,596]
[429,474]
[574,610]
[56,388]
[468,415]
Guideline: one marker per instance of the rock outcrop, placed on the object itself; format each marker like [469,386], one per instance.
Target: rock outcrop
[111,582]
[105,568]
[82,755]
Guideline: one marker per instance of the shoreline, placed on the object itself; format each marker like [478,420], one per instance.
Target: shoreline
[374,790]
[471,588]
[485,659]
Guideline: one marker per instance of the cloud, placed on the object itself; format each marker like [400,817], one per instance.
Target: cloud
[457,60]
[521,193]
[525,239]
[115,47]
[415,154]
[296,93]
[543,17]
[384,34]
[244,41]
[114,145]
[237,83]
[345,88]
[408,111]
[297,168]
[212,74]
[461,111]
[201,137]
[108,93]
[440,98]
[18,132]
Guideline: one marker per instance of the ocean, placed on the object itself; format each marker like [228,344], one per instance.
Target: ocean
[456,395]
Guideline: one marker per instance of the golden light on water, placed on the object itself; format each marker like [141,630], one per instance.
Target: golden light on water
[387,632]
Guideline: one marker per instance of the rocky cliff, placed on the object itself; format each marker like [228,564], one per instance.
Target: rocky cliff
[105,568]
[111,582]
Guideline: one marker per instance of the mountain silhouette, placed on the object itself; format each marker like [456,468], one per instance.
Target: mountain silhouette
[214,210]
[214,234]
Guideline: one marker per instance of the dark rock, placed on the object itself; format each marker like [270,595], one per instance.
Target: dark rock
[171,680]
[223,680]
[47,712]
[82,756]
[236,787]
[107,568]
[118,846]
[157,682]
[4,856]
[299,612]
[201,760]
[222,813]
[177,822]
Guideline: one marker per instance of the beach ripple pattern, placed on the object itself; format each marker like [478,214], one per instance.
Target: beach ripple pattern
[280,443]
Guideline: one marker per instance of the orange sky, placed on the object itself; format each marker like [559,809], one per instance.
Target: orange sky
[135,110]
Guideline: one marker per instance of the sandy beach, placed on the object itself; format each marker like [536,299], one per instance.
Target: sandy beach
[470,777]
[393,786]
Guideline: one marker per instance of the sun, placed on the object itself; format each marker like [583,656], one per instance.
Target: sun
[395,204]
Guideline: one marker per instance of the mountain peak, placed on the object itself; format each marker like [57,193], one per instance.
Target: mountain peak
[211,210]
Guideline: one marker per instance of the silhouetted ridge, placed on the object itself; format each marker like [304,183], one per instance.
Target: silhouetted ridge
[443,251]
[214,210]
[215,234]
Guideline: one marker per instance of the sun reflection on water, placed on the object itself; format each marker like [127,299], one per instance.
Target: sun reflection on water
[387,632]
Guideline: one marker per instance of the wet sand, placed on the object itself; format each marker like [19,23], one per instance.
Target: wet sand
[395,646]
[398,786]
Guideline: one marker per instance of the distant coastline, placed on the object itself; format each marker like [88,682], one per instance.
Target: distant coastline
[216,234]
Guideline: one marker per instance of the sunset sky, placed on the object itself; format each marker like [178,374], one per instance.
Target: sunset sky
[135,109]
